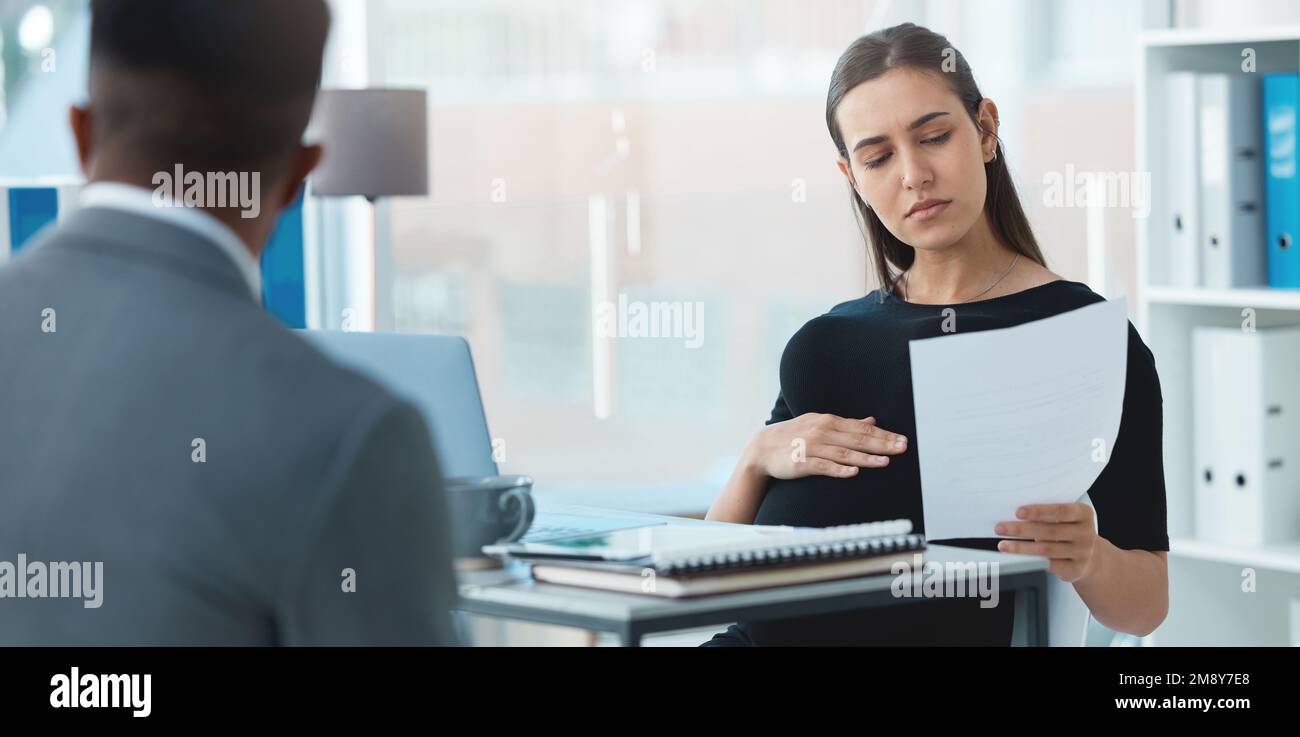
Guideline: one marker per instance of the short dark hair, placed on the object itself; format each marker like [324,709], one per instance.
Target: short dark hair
[211,84]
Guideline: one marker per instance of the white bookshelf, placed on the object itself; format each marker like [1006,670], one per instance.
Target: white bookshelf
[1284,558]
[1208,606]
[1270,299]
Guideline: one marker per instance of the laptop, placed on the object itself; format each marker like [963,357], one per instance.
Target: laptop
[436,374]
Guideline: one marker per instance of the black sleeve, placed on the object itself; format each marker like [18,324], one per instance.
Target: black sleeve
[734,636]
[780,411]
[1129,494]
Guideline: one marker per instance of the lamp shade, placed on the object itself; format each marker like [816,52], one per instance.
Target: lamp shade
[376,143]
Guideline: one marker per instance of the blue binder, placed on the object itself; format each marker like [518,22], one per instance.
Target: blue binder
[30,209]
[284,290]
[1282,185]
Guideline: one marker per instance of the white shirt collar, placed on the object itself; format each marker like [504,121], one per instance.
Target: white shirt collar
[140,201]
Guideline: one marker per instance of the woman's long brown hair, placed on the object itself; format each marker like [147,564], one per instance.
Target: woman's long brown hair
[910,45]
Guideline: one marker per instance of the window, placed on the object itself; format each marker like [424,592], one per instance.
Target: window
[43,49]
[598,164]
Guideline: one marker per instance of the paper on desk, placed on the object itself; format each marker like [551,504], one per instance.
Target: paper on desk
[1021,415]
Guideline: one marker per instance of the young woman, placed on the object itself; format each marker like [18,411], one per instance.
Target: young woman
[918,146]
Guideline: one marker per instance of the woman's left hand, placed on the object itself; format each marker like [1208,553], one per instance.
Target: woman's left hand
[1064,533]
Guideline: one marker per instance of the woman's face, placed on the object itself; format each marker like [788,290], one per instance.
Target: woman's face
[909,140]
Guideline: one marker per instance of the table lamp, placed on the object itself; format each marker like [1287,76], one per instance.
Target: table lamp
[376,144]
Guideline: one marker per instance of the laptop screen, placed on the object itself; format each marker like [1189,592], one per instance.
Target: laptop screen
[436,374]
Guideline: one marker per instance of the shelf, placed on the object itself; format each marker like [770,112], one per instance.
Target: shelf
[1210,36]
[1268,299]
[1166,317]
[1283,557]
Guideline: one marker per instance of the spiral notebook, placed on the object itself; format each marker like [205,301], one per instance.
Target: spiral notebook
[693,560]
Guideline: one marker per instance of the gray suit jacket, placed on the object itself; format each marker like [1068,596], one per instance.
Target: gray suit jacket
[307,468]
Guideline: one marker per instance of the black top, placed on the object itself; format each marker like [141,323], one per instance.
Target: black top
[854,362]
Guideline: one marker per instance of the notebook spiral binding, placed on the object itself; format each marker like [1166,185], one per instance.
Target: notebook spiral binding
[844,541]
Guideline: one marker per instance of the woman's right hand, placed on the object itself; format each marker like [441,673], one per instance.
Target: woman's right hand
[816,444]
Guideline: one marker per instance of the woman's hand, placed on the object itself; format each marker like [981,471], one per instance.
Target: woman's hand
[1064,533]
[821,445]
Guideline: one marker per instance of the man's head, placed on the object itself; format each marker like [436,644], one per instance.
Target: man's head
[214,86]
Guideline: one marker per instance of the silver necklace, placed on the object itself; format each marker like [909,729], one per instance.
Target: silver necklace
[907,280]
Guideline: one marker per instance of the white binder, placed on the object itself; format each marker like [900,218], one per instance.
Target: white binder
[1233,243]
[1179,262]
[1246,410]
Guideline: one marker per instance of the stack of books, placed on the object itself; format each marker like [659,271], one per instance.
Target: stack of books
[679,561]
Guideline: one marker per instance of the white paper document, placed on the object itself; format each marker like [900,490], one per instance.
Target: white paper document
[1020,415]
